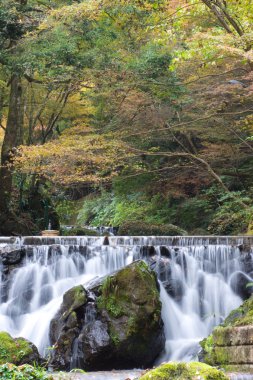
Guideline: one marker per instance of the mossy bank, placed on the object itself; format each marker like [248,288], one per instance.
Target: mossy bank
[184,371]
[17,351]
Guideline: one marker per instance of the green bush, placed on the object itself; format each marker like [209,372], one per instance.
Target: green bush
[24,372]
[232,217]
[193,214]
[108,209]
[67,211]
[211,212]
[138,228]
[97,211]
[78,231]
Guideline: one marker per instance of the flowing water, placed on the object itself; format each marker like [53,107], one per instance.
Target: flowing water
[203,274]
[198,270]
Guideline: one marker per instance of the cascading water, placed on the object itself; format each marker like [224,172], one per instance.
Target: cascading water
[195,276]
[36,288]
[202,276]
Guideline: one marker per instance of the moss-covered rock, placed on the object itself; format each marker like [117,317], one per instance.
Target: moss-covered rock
[115,324]
[184,371]
[139,228]
[242,316]
[17,351]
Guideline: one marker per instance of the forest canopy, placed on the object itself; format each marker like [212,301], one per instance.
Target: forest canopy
[115,111]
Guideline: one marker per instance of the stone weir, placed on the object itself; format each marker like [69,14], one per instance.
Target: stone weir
[180,241]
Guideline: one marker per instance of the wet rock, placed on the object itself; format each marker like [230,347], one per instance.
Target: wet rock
[94,343]
[17,351]
[162,267]
[244,248]
[55,249]
[175,288]
[12,257]
[83,250]
[106,241]
[246,262]
[181,260]
[165,251]
[73,300]
[242,285]
[147,250]
[115,323]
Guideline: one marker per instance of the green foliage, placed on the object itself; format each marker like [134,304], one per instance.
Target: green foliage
[25,372]
[230,217]
[139,228]
[109,298]
[115,210]
[143,72]
[193,213]
[207,353]
[65,210]
[78,231]
[110,210]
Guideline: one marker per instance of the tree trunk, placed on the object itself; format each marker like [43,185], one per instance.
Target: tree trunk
[12,139]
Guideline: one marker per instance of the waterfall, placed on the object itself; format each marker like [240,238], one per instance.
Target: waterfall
[195,281]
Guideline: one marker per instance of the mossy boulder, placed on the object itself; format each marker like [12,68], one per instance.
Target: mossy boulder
[139,228]
[114,324]
[17,351]
[184,371]
[242,316]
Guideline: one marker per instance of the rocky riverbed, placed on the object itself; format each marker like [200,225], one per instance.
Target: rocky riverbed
[112,375]
[128,375]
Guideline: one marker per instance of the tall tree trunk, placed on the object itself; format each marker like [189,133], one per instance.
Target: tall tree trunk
[12,139]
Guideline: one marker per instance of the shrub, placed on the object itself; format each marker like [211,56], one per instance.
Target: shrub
[24,372]
[231,218]
[194,213]
[79,231]
[138,228]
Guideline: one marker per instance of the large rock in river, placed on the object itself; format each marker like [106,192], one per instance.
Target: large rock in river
[113,324]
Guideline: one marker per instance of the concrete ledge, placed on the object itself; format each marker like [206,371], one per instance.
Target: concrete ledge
[234,355]
[233,336]
[244,243]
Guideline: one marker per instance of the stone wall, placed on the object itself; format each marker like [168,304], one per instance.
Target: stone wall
[231,344]
[233,347]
